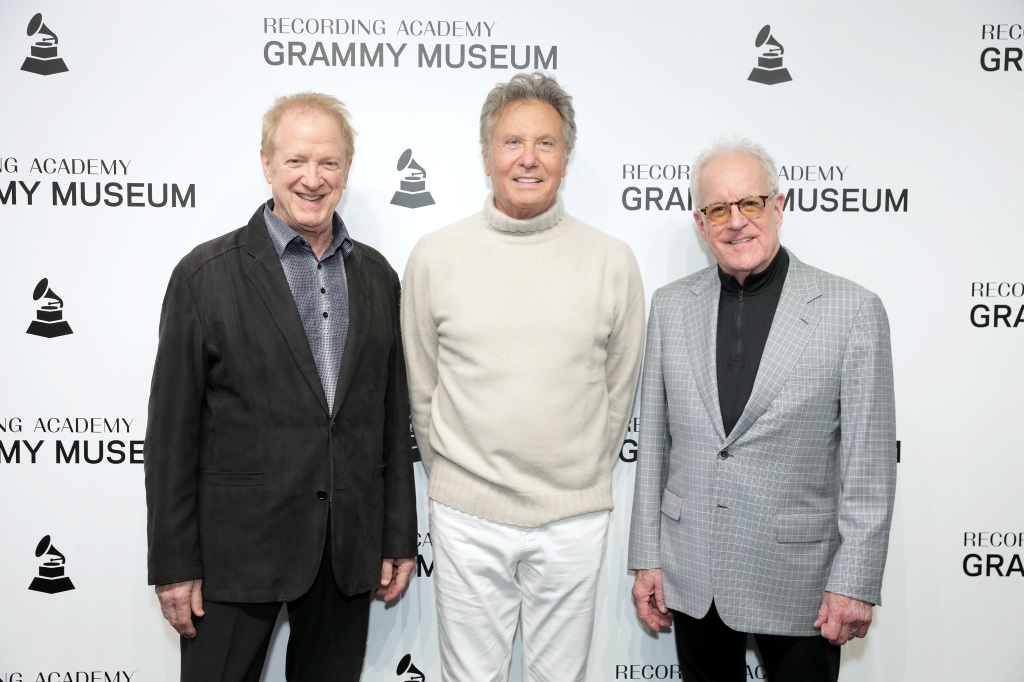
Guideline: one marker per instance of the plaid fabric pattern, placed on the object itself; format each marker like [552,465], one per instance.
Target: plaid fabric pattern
[798,498]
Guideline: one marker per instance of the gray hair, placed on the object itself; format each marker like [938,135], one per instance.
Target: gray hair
[521,87]
[726,147]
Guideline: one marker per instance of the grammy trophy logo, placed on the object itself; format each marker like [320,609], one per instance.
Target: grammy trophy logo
[51,578]
[43,60]
[408,671]
[412,193]
[769,69]
[49,322]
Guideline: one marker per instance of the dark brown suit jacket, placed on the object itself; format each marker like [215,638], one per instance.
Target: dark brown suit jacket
[244,463]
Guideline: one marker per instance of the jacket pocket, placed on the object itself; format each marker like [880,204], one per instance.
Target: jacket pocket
[232,478]
[671,504]
[813,373]
[806,527]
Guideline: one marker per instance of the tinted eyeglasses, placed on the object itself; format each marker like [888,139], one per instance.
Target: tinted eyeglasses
[751,207]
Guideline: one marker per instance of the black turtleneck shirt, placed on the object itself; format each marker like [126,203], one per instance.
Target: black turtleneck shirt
[745,315]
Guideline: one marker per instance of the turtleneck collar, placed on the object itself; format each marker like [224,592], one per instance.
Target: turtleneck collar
[762,281]
[537,224]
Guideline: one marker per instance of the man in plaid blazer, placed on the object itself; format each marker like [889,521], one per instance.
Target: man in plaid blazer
[767,464]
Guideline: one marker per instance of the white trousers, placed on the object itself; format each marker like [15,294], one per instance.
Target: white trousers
[488,576]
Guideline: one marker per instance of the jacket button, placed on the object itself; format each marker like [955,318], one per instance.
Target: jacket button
[724,454]
[321,495]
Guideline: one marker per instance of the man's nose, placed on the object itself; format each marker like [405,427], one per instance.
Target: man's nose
[736,218]
[529,156]
[311,175]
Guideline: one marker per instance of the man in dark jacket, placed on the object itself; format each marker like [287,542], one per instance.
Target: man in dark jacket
[278,465]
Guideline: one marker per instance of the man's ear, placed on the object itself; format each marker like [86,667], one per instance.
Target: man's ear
[698,218]
[266,166]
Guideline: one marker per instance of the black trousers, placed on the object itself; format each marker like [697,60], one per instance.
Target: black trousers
[327,642]
[711,651]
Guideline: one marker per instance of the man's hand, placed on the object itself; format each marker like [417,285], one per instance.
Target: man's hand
[178,603]
[842,618]
[650,599]
[394,577]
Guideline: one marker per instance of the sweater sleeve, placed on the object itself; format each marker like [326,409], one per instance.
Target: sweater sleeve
[625,349]
[420,340]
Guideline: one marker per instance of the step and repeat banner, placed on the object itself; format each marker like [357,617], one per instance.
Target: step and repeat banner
[130,133]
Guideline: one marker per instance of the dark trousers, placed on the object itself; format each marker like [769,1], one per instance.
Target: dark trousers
[327,642]
[710,651]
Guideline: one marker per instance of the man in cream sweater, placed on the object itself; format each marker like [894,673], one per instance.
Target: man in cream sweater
[523,331]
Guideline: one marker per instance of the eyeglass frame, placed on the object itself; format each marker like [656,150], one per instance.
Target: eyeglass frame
[763,197]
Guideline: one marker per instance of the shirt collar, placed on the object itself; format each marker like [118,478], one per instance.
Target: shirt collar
[762,281]
[282,235]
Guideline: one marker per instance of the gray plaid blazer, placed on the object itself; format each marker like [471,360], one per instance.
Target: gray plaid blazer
[798,498]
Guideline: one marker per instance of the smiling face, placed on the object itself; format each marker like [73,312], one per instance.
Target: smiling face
[526,160]
[307,171]
[741,245]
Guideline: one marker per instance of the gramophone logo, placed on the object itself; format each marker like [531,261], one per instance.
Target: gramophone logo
[413,191]
[49,322]
[51,578]
[769,69]
[44,59]
[407,671]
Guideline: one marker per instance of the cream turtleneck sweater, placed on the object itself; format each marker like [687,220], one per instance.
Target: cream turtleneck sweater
[523,341]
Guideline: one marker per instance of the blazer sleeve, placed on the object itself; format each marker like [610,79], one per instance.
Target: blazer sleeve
[867,456]
[172,437]
[399,484]
[652,455]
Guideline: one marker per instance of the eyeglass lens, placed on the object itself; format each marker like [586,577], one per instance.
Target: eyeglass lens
[751,207]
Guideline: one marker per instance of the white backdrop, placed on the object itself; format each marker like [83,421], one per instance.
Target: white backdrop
[902,99]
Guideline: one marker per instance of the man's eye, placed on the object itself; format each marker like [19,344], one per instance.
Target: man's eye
[717,209]
[513,142]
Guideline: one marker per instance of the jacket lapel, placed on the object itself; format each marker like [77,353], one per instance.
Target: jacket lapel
[359,310]
[793,325]
[269,281]
[701,329]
